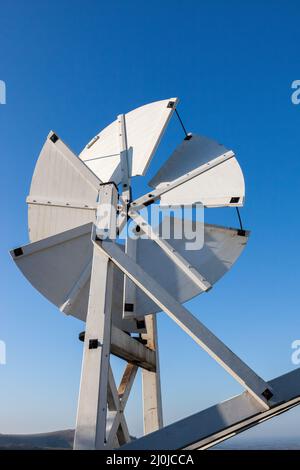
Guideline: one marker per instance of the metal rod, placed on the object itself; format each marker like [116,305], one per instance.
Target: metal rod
[240,219]
[182,125]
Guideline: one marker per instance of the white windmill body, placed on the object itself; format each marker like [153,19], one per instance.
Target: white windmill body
[77,208]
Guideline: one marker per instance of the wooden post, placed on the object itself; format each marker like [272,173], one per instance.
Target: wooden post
[92,405]
[152,403]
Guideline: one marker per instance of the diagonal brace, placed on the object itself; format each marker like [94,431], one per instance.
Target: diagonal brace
[117,399]
[192,326]
[177,258]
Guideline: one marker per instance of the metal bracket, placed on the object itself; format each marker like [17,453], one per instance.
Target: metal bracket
[94,343]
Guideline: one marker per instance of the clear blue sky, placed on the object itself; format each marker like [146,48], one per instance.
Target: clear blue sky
[72,66]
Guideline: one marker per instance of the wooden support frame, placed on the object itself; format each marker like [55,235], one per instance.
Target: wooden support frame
[117,399]
[101,423]
[92,405]
[132,350]
[152,401]
[107,427]
[192,326]
[91,421]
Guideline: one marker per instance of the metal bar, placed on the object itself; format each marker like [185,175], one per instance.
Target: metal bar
[239,217]
[181,123]
[72,204]
[102,156]
[191,325]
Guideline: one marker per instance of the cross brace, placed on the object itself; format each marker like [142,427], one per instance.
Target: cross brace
[203,336]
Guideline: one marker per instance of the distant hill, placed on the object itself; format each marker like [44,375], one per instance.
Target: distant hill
[64,440]
[49,440]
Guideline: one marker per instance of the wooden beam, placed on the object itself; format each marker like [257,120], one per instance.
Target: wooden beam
[131,350]
[152,403]
[192,326]
[126,383]
[221,421]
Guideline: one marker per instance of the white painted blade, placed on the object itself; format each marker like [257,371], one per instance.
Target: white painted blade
[222,247]
[144,128]
[59,267]
[222,185]
[63,191]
